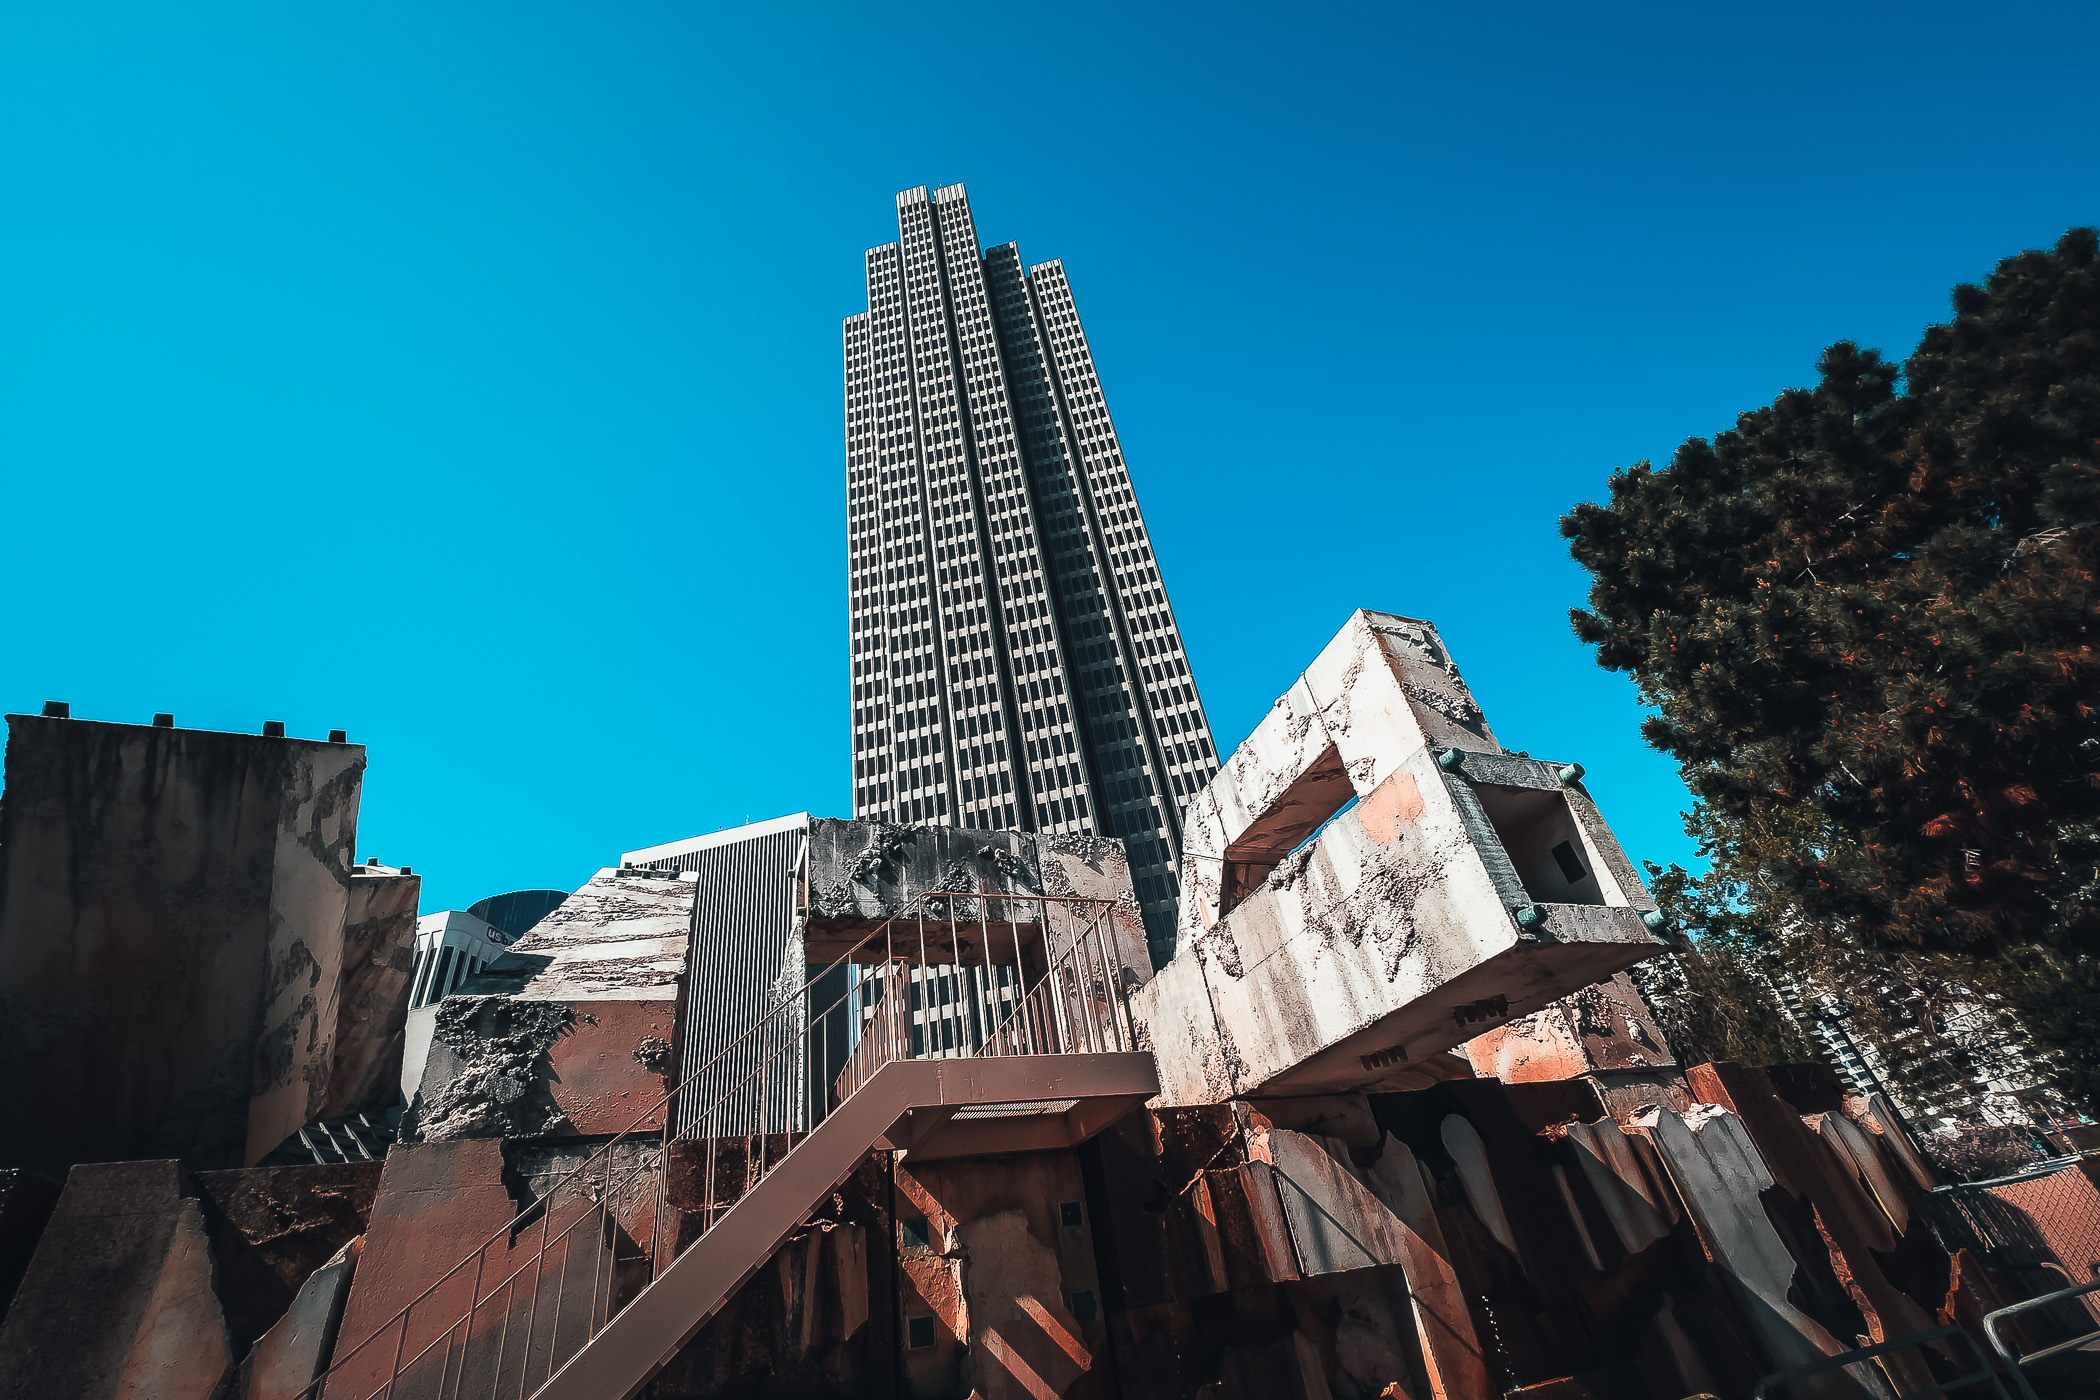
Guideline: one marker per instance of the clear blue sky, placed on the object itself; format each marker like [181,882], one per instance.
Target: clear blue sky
[465,376]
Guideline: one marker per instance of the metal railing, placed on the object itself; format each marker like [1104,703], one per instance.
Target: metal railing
[507,1316]
[1983,1375]
[1993,1322]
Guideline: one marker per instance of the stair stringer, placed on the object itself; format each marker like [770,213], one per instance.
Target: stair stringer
[646,1334]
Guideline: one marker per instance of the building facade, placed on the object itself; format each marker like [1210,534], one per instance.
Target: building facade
[745,958]
[451,946]
[1015,659]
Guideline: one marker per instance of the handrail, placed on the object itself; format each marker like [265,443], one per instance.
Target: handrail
[1847,1359]
[1050,1027]
[2019,1363]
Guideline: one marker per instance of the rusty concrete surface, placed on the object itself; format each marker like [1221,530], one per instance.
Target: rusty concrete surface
[271,1227]
[294,1351]
[371,1007]
[118,1299]
[862,873]
[1000,1267]
[562,1034]
[1604,1027]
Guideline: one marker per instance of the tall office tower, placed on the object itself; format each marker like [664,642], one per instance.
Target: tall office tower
[1015,659]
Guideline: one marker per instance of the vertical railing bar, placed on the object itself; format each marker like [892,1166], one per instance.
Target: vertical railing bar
[985,1008]
[1076,1003]
[925,1012]
[590,1319]
[1102,950]
[1013,927]
[663,1175]
[481,1260]
[1112,952]
[394,1373]
[1085,960]
[1053,996]
[561,1288]
[532,1313]
[510,1306]
[707,1211]
[1082,998]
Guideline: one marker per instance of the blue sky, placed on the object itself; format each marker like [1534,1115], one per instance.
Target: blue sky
[466,377]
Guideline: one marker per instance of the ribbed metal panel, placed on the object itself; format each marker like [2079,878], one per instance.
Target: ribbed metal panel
[746,955]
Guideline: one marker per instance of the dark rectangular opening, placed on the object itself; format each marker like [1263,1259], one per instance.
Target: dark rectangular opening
[1538,830]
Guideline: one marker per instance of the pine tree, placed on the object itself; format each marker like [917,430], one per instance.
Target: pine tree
[1868,619]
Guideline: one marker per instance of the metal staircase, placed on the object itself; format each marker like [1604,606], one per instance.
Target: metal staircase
[593,1288]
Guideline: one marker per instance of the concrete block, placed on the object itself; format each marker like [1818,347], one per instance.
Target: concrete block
[1721,1175]
[272,1227]
[1337,1222]
[1628,1181]
[371,1008]
[118,1300]
[1602,1027]
[1007,1276]
[1330,950]
[173,967]
[295,1350]
[568,1032]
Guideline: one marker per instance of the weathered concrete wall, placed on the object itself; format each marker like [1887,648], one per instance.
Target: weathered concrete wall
[118,1300]
[863,872]
[171,917]
[571,1030]
[820,1318]
[1464,888]
[998,1252]
[295,1350]
[271,1227]
[379,946]
[437,1203]
[1469,1241]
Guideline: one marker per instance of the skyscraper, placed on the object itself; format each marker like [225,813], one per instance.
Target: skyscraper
[1015,661]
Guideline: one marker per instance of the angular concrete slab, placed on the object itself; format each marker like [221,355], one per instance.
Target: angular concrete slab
[1328,948]
[119,1299]
[570,1031]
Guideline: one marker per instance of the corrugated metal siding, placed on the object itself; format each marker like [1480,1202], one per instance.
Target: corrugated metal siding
[746,955]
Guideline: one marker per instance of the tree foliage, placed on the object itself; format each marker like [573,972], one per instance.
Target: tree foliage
[1868,619]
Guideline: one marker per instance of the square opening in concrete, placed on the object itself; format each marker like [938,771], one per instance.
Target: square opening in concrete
[1547,846]
[1311,800]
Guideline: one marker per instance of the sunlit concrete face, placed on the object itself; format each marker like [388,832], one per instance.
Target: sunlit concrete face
[1015,661]
[1373,879]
